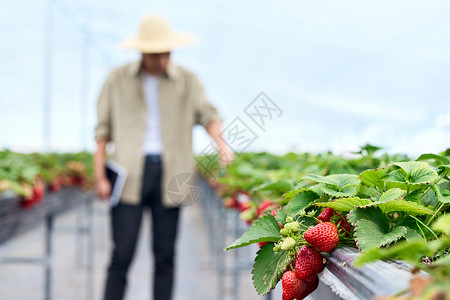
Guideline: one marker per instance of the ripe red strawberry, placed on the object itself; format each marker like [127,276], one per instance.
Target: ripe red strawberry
[260,244]
[311,284]
[308,263]
[292,286]
[328,213]
[230,202]
[243,206]
[265,205]
[324,236]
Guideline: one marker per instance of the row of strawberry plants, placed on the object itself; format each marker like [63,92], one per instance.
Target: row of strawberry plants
[28,175]
[389,210]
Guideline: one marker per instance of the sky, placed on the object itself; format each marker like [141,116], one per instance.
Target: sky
[341,73]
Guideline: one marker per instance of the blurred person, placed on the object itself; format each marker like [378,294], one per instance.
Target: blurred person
[147,109]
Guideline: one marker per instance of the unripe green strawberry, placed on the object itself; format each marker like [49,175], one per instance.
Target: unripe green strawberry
[324,236]
[292,287]
[284,232]
[308,263]
[294,226]
[287,244]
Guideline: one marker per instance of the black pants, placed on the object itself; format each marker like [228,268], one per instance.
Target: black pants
[126,221]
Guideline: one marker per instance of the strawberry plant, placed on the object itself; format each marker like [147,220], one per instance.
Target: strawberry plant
[28,175]
[396,203]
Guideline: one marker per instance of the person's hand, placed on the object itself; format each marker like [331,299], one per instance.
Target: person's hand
[103,189]
[226,156]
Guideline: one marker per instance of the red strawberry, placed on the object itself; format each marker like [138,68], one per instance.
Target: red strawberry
[308,263]
[260,244]
[328,213]
[292,286]
[243,206]
[324,236]
[311,284]
[230,202]
[265,205]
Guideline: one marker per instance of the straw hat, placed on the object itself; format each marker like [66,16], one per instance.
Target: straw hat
[156,35]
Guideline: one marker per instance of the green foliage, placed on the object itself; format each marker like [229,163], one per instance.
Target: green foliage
[265,229]
[345,204]
[269,268]
[300,201]
[398,208]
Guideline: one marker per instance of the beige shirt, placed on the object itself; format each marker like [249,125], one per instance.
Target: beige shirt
[122,117]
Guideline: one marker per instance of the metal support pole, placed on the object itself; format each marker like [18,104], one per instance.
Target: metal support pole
[48,72]
[236,267]
[79,232]
[48,256]
[90,249]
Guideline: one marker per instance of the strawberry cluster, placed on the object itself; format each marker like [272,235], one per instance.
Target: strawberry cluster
[304,245]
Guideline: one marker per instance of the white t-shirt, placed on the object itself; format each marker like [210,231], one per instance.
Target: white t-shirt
[152,138]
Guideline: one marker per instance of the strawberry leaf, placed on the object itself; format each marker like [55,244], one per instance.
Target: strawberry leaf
[372,228]
[442,196]
[281,215]
[371,213]
[300,202]
[348,191]
[269,268]
[409,207]
[345,204]
[265,229]
[413,173]
[374,178]
[369,234]
[391,194]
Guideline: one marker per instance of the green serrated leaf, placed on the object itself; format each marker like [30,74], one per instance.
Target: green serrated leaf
[369,234]
[411,208]
[441,197]
[418,172]
[391,194]
[319,179]
[370,213]
[344,181]
[281,215]
[345,204]
[345,192]
[265,229]
[269,268]
[337,182]
[412,234]
[374,178]
[300,202]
